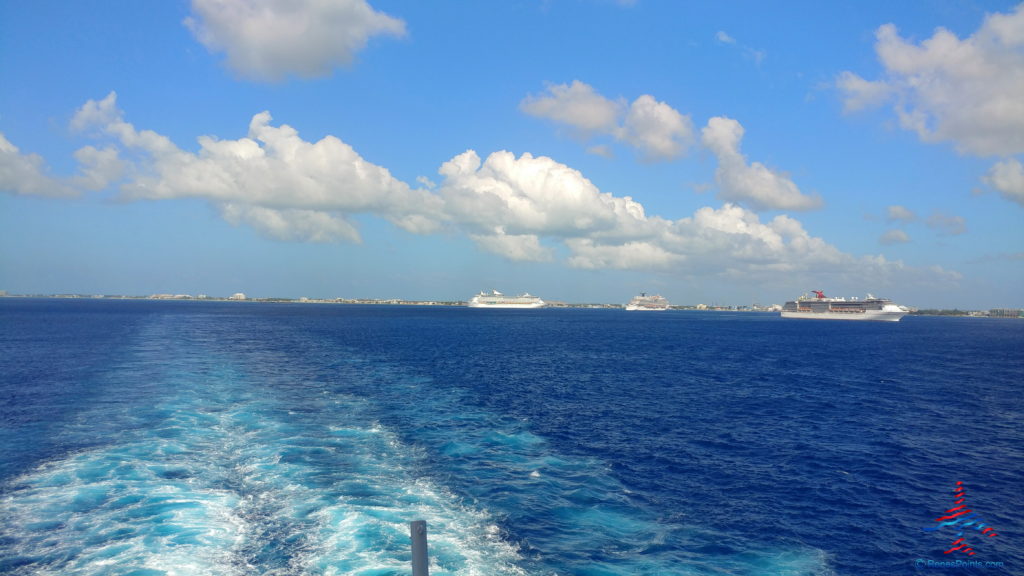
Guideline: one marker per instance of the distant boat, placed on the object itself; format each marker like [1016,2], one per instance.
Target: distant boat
[498,300]
[820,306]
[647,302]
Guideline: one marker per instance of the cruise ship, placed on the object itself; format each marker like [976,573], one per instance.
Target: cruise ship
[822,307]
[647,302]
[498,300]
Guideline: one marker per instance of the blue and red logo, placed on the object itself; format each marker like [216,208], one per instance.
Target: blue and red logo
[961,518]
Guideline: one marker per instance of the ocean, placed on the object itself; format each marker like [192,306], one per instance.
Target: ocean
[154,438]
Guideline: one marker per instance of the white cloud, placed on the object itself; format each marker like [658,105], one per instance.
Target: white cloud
[1007,177]
[284,186]
[711,241]
[753,184]
[654,128]
[860,93]
[510,206]
[577,105]
[25,174]
[97,114]
[525,208]
[968,92]
[528,195]
[272,39]
[891,237]
[99,167]
[738,235]
[898,213]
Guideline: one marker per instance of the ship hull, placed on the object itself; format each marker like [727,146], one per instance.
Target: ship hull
[875,315]
[498,300]
[539,304]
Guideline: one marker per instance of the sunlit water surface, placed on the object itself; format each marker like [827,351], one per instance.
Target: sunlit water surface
[190,438]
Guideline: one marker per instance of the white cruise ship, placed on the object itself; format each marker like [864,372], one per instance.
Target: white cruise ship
[823,307]
[647,302]
[498,300]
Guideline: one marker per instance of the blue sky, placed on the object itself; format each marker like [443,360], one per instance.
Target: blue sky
[583,151]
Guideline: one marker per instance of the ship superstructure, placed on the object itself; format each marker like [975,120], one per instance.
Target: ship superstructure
[647,302]
[498,300]
[823,307]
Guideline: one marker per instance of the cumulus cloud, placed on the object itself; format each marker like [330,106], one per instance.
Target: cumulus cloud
[577,105]
[730,238]
[99,167]
[753,184]
[523,208]
[97,114]
[512,205]
[509,204]
[272,179]
[860,93]
[272,39]
[655,129]
[1007,177]
[529,195]
[781,244]
[898,213]
[891,237]
[946,89]
[26,174]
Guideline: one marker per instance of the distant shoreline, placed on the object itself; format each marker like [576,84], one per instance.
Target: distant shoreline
[954,313]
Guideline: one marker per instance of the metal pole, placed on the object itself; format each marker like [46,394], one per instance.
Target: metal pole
[418,531]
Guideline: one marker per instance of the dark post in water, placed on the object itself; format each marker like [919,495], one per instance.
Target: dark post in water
[418,531]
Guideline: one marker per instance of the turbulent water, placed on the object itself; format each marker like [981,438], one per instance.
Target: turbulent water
[190,438]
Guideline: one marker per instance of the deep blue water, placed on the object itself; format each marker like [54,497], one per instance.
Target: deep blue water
[151,438]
